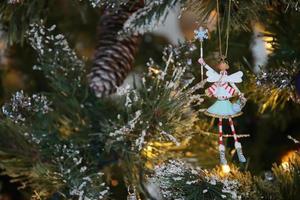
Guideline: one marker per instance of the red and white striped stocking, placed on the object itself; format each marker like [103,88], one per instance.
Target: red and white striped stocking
[233,130]
[223,160]
[237,144]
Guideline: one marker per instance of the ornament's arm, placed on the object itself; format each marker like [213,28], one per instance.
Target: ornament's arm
[211,91]
[236,88]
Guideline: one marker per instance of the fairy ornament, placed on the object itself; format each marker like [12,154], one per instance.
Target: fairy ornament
[223,89]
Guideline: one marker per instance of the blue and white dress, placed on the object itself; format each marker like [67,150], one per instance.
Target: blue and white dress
[223,108]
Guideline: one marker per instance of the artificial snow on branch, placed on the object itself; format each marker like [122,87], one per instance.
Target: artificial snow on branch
[55,58]
[179,180]
[160,109]
[146,18]
[22,106]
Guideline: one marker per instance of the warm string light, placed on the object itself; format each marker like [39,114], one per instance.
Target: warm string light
[285,160]
[265,37]
[154,150]
[285,165]
[154,70]
[268,40]
[225,169]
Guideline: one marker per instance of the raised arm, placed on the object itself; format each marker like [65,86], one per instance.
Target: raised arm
[202,62]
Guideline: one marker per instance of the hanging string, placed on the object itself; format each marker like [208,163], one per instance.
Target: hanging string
[227,28]
[219,28]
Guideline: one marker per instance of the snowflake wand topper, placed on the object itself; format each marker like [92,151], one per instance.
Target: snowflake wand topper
[201,34]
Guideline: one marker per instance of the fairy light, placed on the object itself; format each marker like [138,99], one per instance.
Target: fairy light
[261,46]
[153,150]
[225,169]
[268,40]
[264,36]
[285,160]
[149,152]
[285,165]
[154,70]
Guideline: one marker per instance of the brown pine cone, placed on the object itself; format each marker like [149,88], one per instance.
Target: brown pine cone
[114,56]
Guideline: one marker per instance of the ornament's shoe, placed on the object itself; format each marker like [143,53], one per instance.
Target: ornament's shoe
[223,160]
[131,197]
[240,155]
[239,152]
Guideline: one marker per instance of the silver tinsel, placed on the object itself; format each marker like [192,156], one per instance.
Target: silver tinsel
[282,78]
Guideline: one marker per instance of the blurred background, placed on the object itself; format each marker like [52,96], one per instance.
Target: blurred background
[268,44]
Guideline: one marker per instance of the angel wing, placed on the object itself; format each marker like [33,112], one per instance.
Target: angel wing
[234,78]
[212,75]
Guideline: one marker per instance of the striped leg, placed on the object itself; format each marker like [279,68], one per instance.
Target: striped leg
[237,144]
[223,160]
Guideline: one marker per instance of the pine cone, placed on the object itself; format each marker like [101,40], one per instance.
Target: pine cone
[114,56]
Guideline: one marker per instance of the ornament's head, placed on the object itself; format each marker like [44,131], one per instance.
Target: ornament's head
[223,64]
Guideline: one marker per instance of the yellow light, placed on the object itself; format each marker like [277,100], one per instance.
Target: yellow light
[225,169]
[148,151]
[149,148]
[267,39]
[288,156]
[189,154]
[154,70]
[268,44]
[285,160]
[285,165]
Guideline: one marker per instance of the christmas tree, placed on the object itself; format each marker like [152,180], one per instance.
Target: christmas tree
[109,99]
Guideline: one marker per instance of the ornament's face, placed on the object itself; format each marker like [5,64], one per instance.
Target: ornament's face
[222,66]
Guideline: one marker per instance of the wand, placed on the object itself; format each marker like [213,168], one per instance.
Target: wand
[201,34]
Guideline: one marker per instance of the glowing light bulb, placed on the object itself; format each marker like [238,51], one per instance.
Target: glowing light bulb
[154,70]
[225,169]
[285,160]
[268,40]
[285,165]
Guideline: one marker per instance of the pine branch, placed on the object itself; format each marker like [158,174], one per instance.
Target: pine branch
[48,165]
[153,12]
[275,88]
[288,178]
[177,179]
[56,59]
[18,16]
[158,110]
